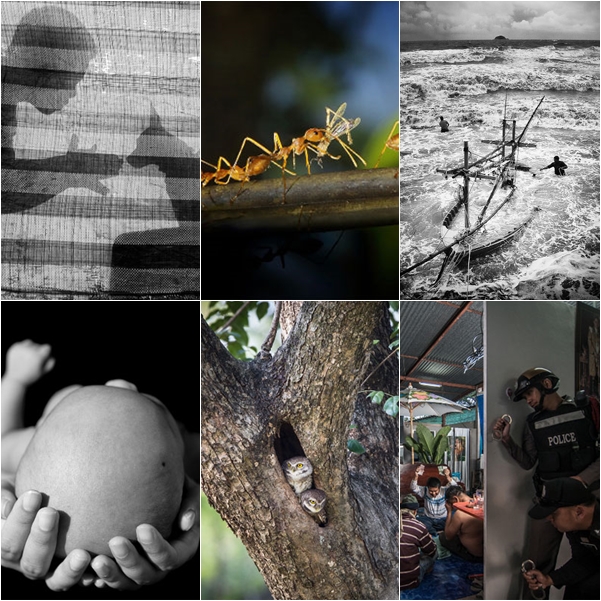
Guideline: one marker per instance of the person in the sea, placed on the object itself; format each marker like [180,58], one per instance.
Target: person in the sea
[560,166]
[444,125]
[46,79]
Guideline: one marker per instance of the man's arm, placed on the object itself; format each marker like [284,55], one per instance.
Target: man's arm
[450,480]
[420,490]
[427,545]
[452,526]
[590,473]
[580,566]
[526,455]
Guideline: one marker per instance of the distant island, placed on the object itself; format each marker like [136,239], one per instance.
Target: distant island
[500,37]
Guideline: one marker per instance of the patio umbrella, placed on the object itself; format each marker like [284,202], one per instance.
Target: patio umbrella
[415,402]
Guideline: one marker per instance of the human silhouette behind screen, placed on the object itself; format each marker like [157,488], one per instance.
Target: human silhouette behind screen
[48,56]
[165,258]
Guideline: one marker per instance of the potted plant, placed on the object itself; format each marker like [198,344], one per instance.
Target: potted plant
[431,449]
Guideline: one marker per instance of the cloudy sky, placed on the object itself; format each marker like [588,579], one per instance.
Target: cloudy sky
[486,20]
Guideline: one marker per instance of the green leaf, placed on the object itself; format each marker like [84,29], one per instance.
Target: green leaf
[262,309]
[239,333]
[236,349]
[391,406]
[374,342]
[411,443]
[426,440]
[441,444]
[431,448]
[355,446]
[376,396]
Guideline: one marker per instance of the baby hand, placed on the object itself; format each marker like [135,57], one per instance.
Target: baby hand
[27,362]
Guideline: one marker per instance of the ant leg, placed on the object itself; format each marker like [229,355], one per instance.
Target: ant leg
[387,144]
[351,152]
[247,139]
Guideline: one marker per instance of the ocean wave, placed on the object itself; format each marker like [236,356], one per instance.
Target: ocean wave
[503,54]
[466,82]
[564,275]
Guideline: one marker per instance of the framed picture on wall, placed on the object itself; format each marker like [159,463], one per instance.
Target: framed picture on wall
[459,452]
[587,349]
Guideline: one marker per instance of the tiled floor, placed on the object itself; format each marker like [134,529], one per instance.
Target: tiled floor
[448,580]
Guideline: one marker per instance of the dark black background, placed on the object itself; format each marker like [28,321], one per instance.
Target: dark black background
[155,345]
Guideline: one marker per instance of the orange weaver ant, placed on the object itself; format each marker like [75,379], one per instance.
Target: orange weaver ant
[217,175]
[255,165]
[336,126]
[315,139]
[392,142]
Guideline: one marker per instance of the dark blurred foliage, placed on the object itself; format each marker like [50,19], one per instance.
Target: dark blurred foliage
[274,67]
[155,346]
[245,45]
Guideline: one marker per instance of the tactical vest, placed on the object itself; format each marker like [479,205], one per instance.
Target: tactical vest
[565,440]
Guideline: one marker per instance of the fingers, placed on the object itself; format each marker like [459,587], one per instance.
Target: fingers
[109,574]
[8,498]
[159,551]
[40,545]
[190,501]
[69,572]
[135,567]
[49,365]
[534,581]
[17,526]
[122,384]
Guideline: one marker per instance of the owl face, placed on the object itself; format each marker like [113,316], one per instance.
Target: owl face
[313,502]
[299,473]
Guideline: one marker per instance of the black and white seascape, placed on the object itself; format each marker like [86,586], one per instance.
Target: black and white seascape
[474,84]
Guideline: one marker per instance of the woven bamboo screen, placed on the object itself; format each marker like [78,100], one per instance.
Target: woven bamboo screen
[100,149]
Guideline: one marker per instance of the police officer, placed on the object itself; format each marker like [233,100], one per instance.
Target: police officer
[572,508]
[561,439]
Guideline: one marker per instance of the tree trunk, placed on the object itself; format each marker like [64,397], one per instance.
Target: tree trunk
[303,402]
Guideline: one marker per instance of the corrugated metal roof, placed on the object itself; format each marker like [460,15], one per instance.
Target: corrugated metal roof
[436,337]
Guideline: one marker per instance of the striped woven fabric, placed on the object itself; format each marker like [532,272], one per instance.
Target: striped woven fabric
[100,149]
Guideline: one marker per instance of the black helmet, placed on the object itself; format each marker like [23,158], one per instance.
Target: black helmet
[534,377]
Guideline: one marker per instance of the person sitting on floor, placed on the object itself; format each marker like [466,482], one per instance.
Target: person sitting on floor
[417,549]
[463,533]
[434,500]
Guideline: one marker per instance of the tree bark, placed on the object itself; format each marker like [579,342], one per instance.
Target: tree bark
[303,401]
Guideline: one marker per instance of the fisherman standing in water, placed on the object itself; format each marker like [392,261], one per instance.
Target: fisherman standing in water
[560,166]
[444,125]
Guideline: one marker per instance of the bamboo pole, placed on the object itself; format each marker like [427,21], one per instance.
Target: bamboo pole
[466,183]
[319,202]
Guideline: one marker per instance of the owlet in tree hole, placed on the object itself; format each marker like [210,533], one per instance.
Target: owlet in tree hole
[299,473]
[314,503]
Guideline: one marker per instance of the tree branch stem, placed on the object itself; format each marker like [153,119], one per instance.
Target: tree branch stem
[322,202]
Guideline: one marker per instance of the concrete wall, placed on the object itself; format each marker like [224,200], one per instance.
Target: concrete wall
[518,335]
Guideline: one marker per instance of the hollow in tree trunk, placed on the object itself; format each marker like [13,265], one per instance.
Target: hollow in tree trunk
[306,401]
